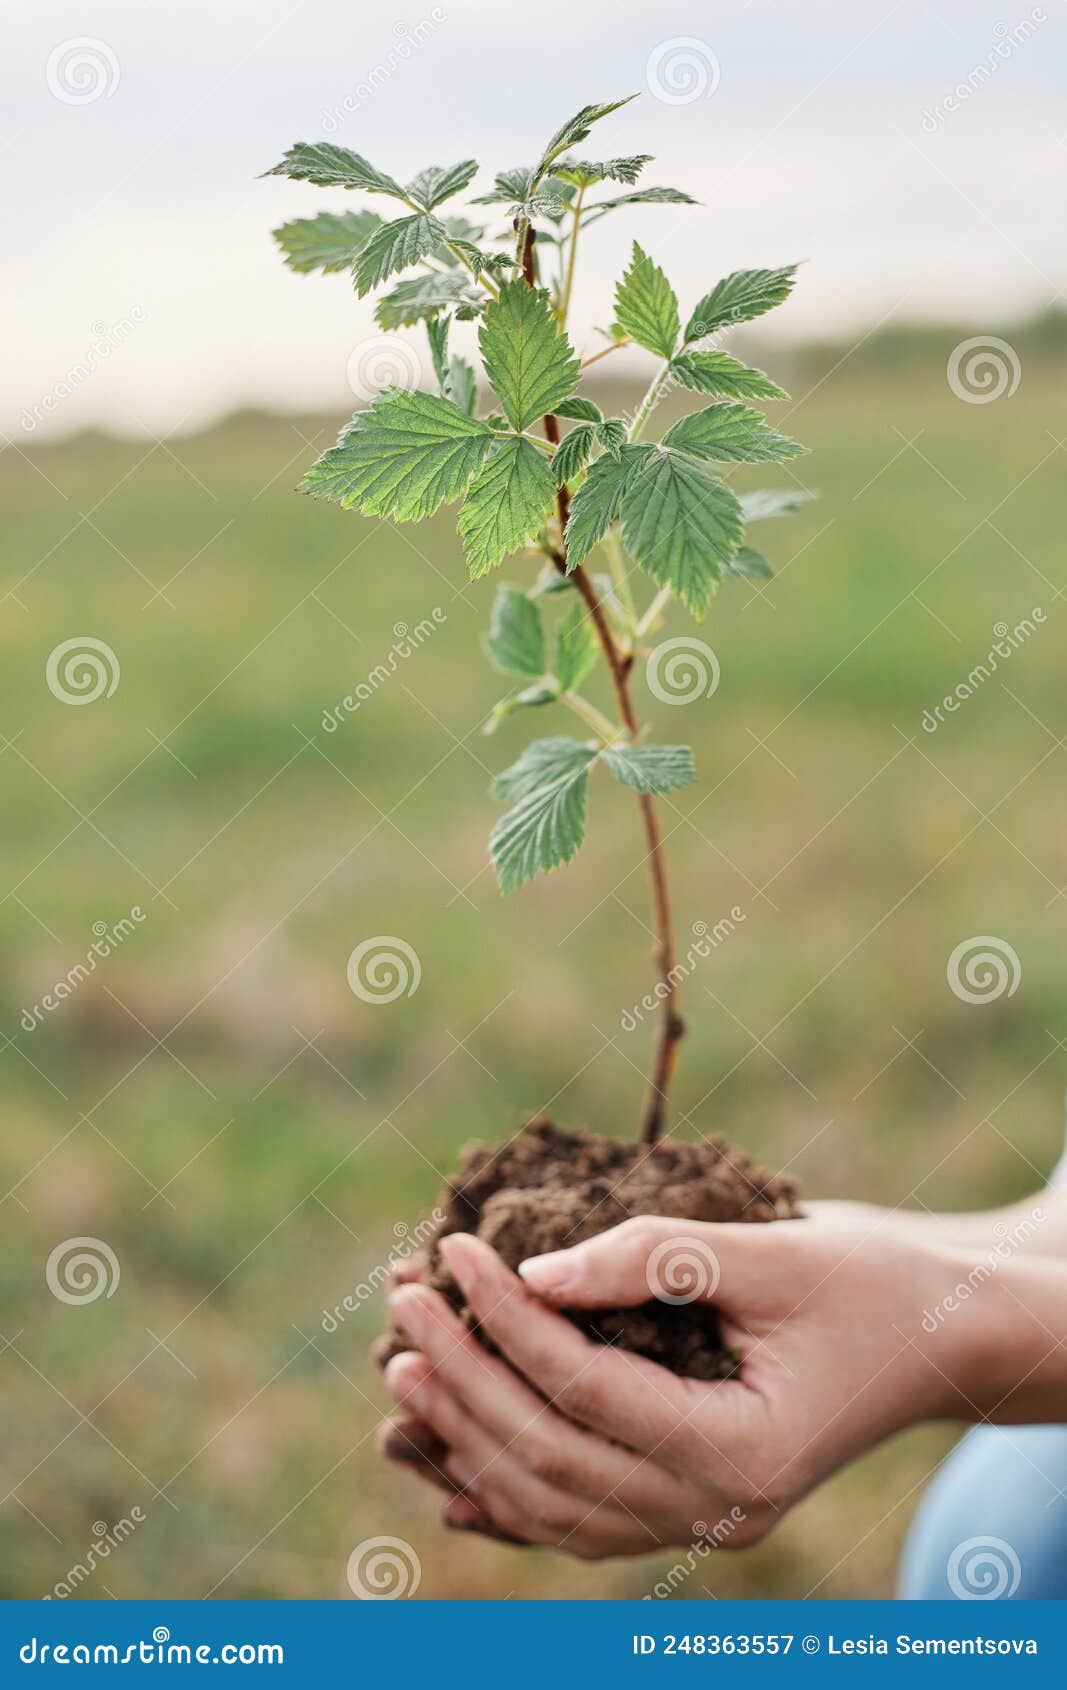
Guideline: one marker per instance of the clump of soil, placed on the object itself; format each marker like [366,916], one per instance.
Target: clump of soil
[547,1189]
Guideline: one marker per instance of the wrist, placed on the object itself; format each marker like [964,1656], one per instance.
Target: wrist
[994,1337]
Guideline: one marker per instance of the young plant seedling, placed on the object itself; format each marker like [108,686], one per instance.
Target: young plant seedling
[545,472]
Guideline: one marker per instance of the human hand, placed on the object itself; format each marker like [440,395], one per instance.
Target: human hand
[599,1452]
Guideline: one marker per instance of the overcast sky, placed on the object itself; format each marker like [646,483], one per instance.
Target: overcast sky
[915,154]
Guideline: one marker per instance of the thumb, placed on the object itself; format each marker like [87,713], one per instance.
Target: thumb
[674,1261]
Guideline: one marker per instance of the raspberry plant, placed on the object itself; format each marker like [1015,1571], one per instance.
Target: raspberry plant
[653,508]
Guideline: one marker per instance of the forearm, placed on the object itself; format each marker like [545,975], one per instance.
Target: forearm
[1005,1333]
[1035,1226]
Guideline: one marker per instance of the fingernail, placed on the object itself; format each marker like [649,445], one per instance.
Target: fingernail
[553,1274]
[461,1258]
[407,1312]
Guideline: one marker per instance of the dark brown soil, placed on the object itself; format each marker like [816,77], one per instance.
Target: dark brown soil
[548,1189]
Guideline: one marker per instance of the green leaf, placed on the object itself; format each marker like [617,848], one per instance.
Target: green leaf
[462,387]
[395,246]
[478,260]
[418,298]
[582,410]
[643,196]
[612,435]
[682,526]
[646,307]
[740,297]
[576,129]
[547,825]
[329,166]
[528,360]
[582,174]
[728,432]
[433,186]
[516,640]
[717,372]
[508,185]
[576,648]
[529,696]
[406,456]
[651,768]
[509,501]
[774,501]
[437,331]
[599,499]
[549,581]
[328,242]
[572,455]
[750,565]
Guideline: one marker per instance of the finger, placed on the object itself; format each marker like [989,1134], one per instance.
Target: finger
[654,1256]
[622,1396]
[491,1393]
[407,1271]
[456,1432]
[412,1444]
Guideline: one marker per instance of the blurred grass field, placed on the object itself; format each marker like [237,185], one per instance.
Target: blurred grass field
[251,1139]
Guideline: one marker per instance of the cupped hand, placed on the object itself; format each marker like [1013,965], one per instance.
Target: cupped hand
[562,1441]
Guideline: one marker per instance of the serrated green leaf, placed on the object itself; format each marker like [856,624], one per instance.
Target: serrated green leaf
[328,242]
[431,187]
[651,768]
[717,372]
[516,641]
[576,129]
[527,359]
[408,454]
[580,173]
[682,526]
[646,307]
[547,824]
[581,410]
[731,433]
[642,196]
[750,565]
[612,436]
[740,297]
[329,166]
[395,246]
[598,501]
[549,581]
[768,502]
[462,387]
[529,697]
[437,331]
[574,452]
[576,647]
[420,297]
[508,185]
[510,499]
[478,260]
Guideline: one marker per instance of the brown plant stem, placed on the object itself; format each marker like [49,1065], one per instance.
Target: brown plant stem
[671,1025]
